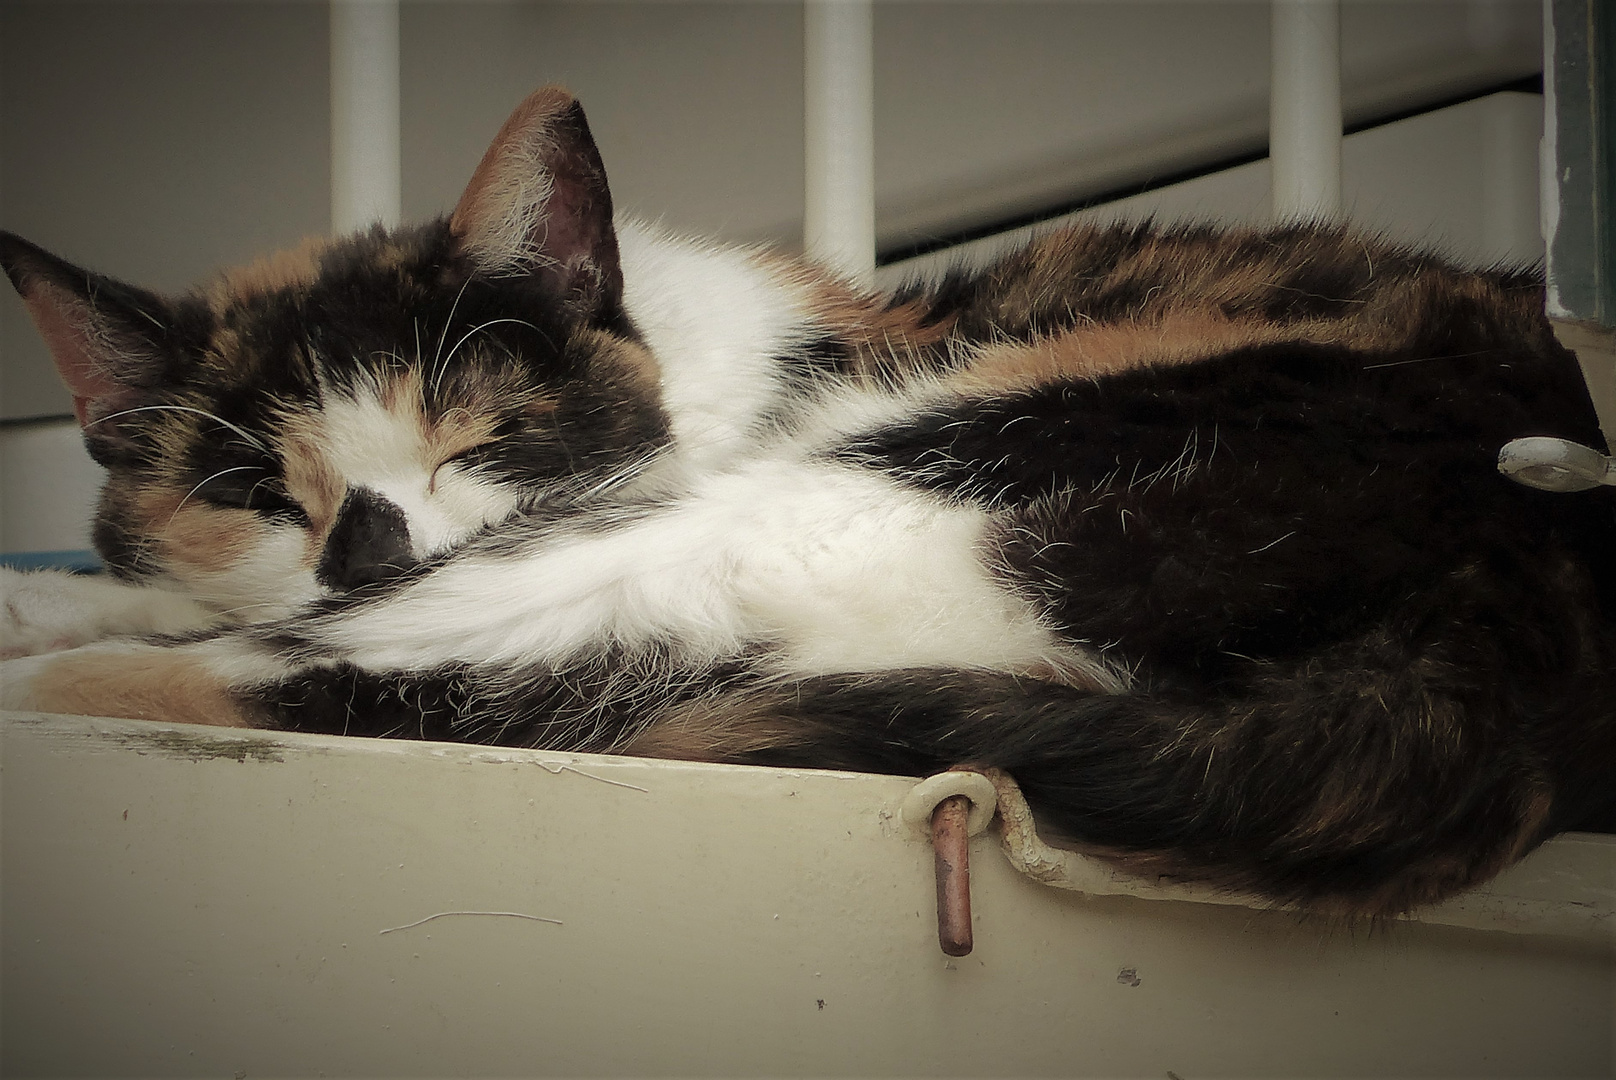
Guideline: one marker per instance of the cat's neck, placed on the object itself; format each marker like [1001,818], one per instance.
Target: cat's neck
[733,329]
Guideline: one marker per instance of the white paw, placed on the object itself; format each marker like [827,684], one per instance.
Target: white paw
[47,610]
[42,611]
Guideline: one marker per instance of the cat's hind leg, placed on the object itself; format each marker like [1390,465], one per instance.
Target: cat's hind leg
[198,682]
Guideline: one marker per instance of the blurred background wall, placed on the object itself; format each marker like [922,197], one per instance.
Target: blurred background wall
[157,141]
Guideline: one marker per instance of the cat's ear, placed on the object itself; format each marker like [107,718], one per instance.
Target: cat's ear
[538,205]
[108,339]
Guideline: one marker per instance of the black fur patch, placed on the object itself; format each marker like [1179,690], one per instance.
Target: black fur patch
[597,705]
[1302,788]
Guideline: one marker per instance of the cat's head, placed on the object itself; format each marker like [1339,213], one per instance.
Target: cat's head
[316,421]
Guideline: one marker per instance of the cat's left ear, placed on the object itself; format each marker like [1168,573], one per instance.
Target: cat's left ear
[538,205]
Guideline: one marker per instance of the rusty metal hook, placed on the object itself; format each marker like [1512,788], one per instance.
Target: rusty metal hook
[949,809]
[951,852]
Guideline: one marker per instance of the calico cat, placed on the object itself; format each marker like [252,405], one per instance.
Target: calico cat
[1198,534]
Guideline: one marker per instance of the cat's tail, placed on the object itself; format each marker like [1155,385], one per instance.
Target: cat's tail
[1360,800]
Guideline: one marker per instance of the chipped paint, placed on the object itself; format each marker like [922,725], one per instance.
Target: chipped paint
[201,747]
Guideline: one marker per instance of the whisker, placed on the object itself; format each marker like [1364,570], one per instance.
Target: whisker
[256,605]
[215,476]
[251,438]
[258,485]
[442,337]
[484,326]
[149,317]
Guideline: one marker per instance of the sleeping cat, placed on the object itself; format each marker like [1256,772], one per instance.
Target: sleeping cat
[1199,534]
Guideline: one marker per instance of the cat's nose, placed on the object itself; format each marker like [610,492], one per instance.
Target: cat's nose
[370,542]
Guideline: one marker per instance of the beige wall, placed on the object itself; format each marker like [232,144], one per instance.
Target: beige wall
[982,109]
[154,141]
[697,108]
[1460,180]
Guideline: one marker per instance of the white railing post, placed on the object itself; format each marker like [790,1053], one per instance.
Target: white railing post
[839,136]
[365,168]
[1304,111]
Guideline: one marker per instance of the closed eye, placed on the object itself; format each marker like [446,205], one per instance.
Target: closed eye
[468,458]
[238,488]
[472,454]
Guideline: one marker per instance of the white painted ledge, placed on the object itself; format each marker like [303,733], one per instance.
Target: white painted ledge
[193,901]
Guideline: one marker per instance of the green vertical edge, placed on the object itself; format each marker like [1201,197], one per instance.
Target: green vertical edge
[1604,114]
[1582,258]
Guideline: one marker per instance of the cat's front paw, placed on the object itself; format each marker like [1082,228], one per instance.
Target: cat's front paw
[48,610]
[41,611]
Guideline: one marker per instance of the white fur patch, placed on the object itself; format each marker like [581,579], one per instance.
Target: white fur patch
[834,568]
[17,679]
[717,319]
[266,581]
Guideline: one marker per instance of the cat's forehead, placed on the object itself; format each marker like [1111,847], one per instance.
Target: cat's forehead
[356,272]
[354,310]
[292,269]
[387,418]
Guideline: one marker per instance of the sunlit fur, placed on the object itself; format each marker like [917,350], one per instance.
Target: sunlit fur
[1197,533]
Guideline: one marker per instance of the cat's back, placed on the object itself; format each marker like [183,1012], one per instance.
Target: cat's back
[1206,441]
[1181,284]
[1191,311]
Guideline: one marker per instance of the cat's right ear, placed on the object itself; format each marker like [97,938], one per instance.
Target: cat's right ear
[538,206]
[109,340]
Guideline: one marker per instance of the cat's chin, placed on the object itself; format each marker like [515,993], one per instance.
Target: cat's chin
[274,596]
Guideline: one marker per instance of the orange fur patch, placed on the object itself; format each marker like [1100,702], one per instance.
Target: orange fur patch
[211,537]
[629,361]
[723,729]
[1093,351]
[294,267]
[457,429]
[153,684]
[887,338]
[194,533]
[310,479]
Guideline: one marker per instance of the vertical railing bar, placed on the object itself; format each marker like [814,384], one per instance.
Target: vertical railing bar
[366,175]
[839,136]
[1578,188]
[1304,112]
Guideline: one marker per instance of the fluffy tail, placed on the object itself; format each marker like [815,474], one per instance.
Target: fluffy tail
[1362,799]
